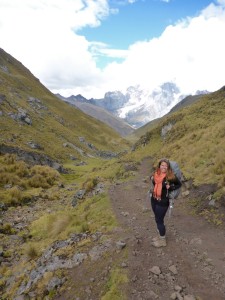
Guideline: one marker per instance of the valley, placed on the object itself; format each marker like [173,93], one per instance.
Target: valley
[75,221]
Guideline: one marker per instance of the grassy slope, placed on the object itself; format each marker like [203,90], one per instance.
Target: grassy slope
[196,139]
[150,125]
[53,121]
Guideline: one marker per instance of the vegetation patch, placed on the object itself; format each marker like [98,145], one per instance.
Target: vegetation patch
[114,287]
[21,183]
[213,216]
[91,215]
[206,202]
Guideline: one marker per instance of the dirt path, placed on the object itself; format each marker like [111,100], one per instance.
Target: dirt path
[192,266]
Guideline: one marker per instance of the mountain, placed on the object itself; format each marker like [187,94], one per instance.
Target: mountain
[183,103]
[37,124]
[193,135]
[99,113]
[136,106]
[188,101]
[139,106]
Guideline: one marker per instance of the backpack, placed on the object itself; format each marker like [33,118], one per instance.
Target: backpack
[176,170]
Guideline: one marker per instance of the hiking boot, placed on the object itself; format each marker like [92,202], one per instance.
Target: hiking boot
[156,238]
[161,242]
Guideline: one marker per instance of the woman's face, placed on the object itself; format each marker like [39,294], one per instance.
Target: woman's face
[163,167]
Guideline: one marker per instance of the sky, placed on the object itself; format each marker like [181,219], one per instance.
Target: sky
[90,47]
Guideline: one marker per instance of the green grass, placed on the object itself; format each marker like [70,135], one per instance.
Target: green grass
[91,215]
[196,140]
[118,278]
[21,183]
[56,126]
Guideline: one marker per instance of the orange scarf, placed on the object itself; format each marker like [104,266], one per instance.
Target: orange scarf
[158,184]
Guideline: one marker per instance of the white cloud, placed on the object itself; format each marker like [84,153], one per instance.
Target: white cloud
[190,53]
[98,49]
[42,34]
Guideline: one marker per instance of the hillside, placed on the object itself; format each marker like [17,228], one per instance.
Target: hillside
[186,102]
[194,136]
[32,119]
[52,157]
[118,124]
[150,125]
[85,232]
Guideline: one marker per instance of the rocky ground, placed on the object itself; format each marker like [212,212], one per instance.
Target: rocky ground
[190,267]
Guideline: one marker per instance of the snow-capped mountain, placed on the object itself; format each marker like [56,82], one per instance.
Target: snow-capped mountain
[138,106]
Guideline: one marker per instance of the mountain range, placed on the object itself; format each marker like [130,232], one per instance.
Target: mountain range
[132,109]
[100,113]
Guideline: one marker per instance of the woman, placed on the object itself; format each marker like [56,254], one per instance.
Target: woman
[164,181]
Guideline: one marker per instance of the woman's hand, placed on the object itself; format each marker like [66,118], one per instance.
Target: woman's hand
[167,185]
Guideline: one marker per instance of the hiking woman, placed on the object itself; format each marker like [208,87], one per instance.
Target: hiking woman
[164,181]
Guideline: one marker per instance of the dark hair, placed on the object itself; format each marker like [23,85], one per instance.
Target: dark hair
[169,174]
[164,160]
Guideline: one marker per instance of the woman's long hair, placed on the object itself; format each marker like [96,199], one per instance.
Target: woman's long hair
[169,174]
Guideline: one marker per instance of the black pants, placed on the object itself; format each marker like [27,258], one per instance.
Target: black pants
[159,212]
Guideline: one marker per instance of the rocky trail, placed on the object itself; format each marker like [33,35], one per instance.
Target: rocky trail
[191,266]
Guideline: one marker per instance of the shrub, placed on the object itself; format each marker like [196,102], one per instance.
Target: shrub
[16,178]
[7,178]
[90,183]
[6,229]
[43,176]
[9,159]
[22,169]
[15,194]
[219,168]
[222,181]
[31,251]
[38,181]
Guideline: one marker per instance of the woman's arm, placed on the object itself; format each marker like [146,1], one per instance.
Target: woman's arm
[175,184]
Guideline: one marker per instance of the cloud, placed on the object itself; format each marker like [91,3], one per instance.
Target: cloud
[189,53]
[44,36]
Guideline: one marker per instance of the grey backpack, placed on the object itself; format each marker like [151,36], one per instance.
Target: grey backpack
[176,170]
